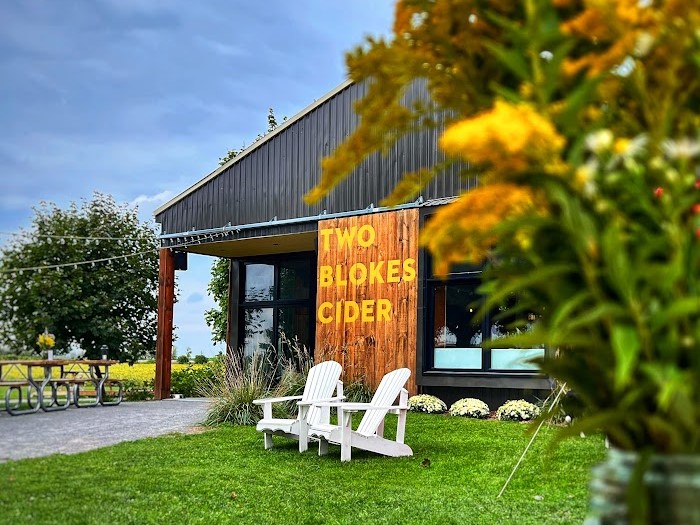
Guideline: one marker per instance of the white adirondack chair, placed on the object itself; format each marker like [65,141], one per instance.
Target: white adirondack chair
[322,380]
[370,432]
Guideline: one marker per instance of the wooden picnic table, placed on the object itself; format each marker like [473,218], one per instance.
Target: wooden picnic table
[35,376]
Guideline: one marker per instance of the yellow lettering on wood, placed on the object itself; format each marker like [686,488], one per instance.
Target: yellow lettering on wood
[392,271]
[325,319]
[383,310]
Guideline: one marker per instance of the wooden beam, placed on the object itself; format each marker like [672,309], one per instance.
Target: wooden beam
[164,342]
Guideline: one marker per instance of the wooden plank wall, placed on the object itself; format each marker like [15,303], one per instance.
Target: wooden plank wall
[370,338]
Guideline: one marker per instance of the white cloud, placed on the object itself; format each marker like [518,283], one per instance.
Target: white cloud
[158,198]
[221,48]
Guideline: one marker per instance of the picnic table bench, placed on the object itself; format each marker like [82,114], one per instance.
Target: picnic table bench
[42,381]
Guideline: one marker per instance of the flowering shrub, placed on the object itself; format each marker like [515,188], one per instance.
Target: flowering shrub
[470,407]
[426,403]
[579,123]
[519,410]
[138,390]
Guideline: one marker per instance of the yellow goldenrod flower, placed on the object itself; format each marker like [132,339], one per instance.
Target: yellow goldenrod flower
[464,230]
[509,138]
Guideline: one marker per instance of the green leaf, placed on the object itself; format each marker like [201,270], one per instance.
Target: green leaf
[603,311]
[575,102]
[513,59]
[535,277]
[686,307]
[626,346]
[620,273]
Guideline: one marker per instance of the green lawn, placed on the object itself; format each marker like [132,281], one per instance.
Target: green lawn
[225,476]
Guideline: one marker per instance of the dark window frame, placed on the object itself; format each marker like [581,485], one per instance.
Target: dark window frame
[276,303]
[459,276]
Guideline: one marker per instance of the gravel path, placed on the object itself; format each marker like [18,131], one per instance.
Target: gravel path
[79,429]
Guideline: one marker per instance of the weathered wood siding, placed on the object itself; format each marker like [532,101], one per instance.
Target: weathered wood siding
[366,301]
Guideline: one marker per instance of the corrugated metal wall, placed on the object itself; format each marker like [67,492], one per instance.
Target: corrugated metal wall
[272,179]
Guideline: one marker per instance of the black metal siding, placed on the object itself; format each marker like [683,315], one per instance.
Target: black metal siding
[272,180]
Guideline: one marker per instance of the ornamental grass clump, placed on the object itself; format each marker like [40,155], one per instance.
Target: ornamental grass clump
[238,380]
[470,407]
[426,403]
[517,410]
[237,383]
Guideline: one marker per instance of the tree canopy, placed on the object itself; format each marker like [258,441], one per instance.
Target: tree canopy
[88,274]
[216,317]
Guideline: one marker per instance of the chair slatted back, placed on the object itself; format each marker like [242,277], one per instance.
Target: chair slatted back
[388,390]
[320,384]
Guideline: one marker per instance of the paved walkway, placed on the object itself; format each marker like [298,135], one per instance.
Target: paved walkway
[79,429]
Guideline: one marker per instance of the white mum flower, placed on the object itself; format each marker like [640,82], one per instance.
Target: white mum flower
[518,410]
[470,407]
[426,403]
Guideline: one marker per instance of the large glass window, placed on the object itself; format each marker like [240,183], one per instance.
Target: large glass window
[275,305]
[457,331]
[458,334]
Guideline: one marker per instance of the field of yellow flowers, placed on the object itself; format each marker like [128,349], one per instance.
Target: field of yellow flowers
[138,372]
[142,371]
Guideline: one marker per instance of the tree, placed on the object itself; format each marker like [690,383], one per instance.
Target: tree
[271,125]
[90,276]
[216,318]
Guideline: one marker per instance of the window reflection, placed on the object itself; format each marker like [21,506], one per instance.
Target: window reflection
[295,280]
[276,308]
[510,321]
[259,282]
[258,330]
[458,338]
[293,330]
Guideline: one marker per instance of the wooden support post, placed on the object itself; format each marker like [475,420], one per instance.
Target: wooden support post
[164,342]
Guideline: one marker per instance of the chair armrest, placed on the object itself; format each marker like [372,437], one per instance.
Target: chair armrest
[319,401]
[361,406]
[275,400]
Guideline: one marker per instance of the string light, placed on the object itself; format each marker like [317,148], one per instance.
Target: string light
[75,264]
[172,244]
[76,237]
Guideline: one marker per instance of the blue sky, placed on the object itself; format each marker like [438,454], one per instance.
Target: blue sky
[139,98]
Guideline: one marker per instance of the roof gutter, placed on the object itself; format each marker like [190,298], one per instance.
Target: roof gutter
[297,220]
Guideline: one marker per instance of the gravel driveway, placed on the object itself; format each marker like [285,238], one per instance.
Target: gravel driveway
[79,429]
